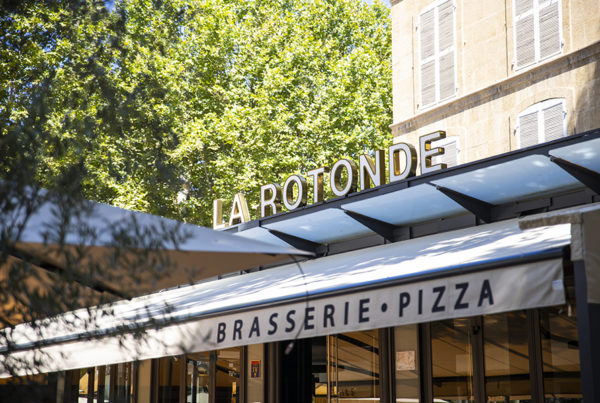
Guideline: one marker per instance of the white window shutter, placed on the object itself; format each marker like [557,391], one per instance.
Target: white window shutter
[523,6]
[437,59]
[543,121]
[447,86]
[446,26]
[451,150]
[450,157]
[528,130]
[446,49]
[427,46]
[554,118]
[428,83]
[427,34]
[537,30]
[451,154]
[549,30]
[525,40]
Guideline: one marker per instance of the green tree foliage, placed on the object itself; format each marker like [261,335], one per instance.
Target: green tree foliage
[136,102]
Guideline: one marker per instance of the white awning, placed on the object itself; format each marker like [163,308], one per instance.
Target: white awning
[482,270]
[121,252]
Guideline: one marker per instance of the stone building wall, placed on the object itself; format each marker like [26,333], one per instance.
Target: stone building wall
[490,90]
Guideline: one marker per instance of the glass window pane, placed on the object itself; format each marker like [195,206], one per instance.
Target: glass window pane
[84,377]
[99,386]
[107,382]
[560,353]
[506,349]
[37,388]
[406,355]
[354,366]
[319,369]
[124,383]
[451,356]
[228,375]
[168,380]
[197,377]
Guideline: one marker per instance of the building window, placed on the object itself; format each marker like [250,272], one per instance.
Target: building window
[506,349]
[544,121]
[537,31]
[560,354]
[451,156]
[227,375]
[354,366]
[169,375]
[197,377]
[451,360]
[110,383]
[437,53]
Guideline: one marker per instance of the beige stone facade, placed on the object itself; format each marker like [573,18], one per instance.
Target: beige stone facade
[492,91]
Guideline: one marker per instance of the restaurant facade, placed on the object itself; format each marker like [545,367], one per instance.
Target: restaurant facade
[488,291]
[460,265]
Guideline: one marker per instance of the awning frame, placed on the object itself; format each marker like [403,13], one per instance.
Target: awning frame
[475,212]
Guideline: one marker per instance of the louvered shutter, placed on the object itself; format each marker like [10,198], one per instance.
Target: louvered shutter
[427,47]
[446,49]
[523,6]
[525,40]
[451,150]
[446,26]
[428,83]
[427,34]
[528,130]
[537,30]
[447,87]
[549,29]
[554,122]
[450,157]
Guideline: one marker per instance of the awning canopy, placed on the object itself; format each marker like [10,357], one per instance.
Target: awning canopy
[129,253]
[486,188]
[482,270]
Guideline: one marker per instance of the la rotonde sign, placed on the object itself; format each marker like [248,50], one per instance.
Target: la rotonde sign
[344,177]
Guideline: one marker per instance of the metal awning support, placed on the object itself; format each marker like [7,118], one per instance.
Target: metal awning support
[300,243]
[382,228]
[589,178]
[481,209]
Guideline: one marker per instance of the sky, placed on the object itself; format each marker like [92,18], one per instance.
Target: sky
[386,2]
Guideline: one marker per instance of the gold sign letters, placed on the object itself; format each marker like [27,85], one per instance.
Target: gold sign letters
[343,180]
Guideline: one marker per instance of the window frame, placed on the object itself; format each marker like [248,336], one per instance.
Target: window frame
[439,159]
[477,361]
[535,12]
[539,108]
[437,55]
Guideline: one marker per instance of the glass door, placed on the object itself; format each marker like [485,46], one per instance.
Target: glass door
[354,367]
[197,378]
[452,362]
[228,375]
